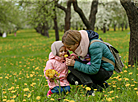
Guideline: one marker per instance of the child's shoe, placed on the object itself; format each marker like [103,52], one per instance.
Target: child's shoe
[49,92]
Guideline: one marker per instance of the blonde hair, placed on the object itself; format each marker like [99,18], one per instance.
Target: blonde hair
[71,37]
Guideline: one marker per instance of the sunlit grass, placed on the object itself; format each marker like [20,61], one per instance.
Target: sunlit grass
[23,59]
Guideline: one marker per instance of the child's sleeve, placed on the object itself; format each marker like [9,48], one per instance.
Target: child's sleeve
[48,66]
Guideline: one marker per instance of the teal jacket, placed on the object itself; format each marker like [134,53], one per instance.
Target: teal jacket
[96,51]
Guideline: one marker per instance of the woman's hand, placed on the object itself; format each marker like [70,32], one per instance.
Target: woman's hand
[70,62]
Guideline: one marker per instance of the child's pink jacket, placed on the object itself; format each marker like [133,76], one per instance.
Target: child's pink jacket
[55,62]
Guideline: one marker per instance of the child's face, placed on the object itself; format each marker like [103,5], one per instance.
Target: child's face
[62,51]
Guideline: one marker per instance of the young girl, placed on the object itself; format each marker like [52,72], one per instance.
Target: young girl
[57,62]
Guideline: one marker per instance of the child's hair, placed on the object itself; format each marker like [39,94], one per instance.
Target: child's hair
[55,47]
[71,37]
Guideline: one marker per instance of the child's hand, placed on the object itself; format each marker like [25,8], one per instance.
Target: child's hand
[70,62]
[51,80]
[72,57]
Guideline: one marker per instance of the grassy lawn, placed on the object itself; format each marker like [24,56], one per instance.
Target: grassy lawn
[23,59]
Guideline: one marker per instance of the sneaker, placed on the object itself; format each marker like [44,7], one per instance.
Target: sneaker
[91,92]
[49,93]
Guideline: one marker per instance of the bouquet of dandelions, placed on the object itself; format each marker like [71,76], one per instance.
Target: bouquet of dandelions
[52,74]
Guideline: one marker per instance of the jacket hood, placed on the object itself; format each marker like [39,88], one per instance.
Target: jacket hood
[92,34]
[51,56]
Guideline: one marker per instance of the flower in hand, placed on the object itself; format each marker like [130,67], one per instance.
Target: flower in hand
[66,56]
[70,62]
[51,73]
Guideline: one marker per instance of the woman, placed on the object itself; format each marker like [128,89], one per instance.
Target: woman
[96,73]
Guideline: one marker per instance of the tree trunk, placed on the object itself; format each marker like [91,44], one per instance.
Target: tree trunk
[38,28]
[45,30]
[104,28]
[92,17]
[126,26]
[132,14]
[67,14]
[81,14]
[114,27]
[56,25]
[122,25]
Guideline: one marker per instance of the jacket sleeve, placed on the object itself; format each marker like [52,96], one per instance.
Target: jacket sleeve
[95,51]
[48,66]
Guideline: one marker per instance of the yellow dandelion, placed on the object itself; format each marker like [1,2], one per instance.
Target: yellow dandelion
[126,67]
[105,95]
[4,92]
[1,77]
[17,87]
[130,73]
[31,75]
[129,65]
[12,101]
[53,72]
[109,83]
[26,89]
[116,96]
[71,101]
[88,88]
[29,95]
[66,100]
[34,83]
[120,79]
[24,100]
[38,97]
[24,95]
[65,55]
[127,85]
[132,85]
[14,96]
[111,91]
[52,99]
[125,71]
[126,79]
[5,96]
[137,92]
[4,100]
[50,75]
[95,89]
[135,88]
[109,99]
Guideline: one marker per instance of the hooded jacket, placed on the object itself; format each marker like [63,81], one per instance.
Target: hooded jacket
[58,64]
[96,50]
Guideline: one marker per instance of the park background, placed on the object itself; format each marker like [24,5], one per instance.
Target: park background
[23,56]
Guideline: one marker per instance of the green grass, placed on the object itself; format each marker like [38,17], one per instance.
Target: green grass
[23,59]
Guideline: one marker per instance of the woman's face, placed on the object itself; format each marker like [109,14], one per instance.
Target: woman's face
[71,47]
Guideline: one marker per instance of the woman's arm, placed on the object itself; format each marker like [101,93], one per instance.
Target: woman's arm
[95,51]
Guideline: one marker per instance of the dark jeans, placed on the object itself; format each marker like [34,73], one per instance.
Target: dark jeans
[58,89]
[93,81]
[86,79]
